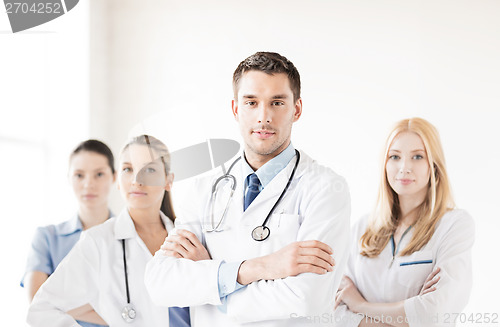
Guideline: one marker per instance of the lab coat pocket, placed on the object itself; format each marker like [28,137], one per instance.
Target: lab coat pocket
[412,270]
[284,229]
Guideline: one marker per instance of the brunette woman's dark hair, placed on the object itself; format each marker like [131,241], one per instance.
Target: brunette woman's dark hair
[97,147]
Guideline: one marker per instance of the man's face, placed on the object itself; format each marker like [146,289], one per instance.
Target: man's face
[265,110]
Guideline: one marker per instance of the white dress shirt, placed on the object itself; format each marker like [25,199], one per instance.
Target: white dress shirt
[93,272]
[391,279]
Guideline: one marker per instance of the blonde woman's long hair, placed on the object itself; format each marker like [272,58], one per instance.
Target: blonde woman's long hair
[384,219]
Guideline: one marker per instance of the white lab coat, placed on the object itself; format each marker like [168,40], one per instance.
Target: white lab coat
[380,281]
[315,207]
[93,273]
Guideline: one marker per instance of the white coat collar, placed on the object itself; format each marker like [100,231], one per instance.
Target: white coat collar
[125,228]
[305,164]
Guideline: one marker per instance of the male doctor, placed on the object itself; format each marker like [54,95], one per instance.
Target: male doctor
[289,278]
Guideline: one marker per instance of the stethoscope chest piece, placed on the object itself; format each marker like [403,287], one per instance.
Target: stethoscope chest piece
[261,233]
[128,313]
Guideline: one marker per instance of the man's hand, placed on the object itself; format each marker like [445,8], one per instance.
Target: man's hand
[292,260]
[184,245]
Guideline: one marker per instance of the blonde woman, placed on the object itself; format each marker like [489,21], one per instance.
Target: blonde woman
[410,261]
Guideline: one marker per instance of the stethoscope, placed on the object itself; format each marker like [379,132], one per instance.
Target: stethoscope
[128,312]
[259,233]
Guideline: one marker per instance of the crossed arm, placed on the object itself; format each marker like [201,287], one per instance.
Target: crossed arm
[40,267]
[299,274]
[434,300]
[292,260]
[86,313]
[394,312]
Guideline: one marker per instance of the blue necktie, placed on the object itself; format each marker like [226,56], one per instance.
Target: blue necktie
[179,317]
[253,190]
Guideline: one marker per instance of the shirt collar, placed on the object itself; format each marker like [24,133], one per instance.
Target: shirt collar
[73,225]
[69,227]
[271,168]
[125,228]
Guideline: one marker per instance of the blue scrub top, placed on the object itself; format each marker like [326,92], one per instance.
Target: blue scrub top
[49,247]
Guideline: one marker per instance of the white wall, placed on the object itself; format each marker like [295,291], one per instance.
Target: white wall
[364,65]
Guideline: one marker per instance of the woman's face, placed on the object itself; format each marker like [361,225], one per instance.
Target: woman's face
[142,180]
[91,178]
[407,167]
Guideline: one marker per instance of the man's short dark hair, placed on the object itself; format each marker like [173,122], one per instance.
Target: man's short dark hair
[269,63]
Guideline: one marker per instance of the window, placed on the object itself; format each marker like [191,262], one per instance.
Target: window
[44,114]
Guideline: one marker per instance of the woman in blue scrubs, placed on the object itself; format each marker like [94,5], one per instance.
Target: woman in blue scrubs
[91,175]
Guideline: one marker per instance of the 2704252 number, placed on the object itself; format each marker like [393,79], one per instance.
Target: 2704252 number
[475,318]
[35,8]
